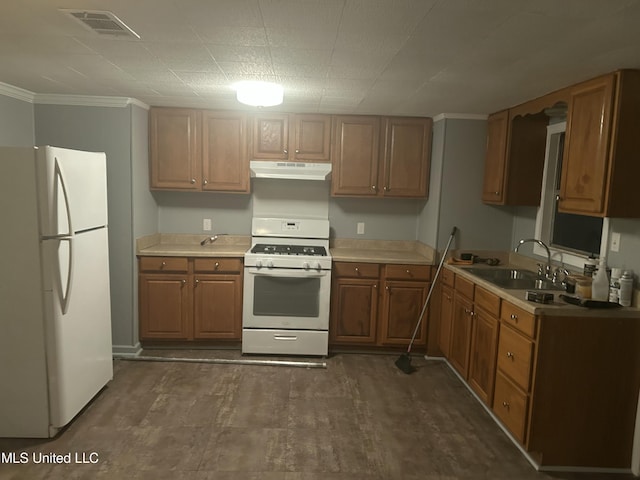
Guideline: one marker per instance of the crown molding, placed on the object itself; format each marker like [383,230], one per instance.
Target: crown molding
[88,101]
[459,116]
[17,93]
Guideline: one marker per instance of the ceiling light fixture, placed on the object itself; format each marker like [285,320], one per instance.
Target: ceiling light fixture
[259,94]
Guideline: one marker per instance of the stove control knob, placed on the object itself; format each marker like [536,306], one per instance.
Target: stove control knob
[305,265]
[318,266]
[269,264]
[258,263]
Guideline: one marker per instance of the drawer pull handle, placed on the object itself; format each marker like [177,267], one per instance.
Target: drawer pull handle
[514,317]
[286,338]
[506,405]
[510,355]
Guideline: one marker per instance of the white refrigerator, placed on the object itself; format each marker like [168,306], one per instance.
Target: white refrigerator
[55,313]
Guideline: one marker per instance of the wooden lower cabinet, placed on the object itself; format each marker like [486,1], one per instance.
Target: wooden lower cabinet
[365,314]
[164,307]
[565,387]
[196,299]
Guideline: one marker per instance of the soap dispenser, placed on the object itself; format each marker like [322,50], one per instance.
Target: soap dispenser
[600,284]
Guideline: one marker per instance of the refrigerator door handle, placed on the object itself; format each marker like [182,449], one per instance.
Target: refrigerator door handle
[60,176]
[65,284]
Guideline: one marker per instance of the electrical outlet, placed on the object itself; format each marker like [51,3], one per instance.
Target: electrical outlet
[615,242]
[360,228]
[206,224]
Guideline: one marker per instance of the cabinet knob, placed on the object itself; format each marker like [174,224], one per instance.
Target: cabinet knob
[375,285]
[409,272]
[357,270]
[386,189]
[506,405]
[285,151]
[510,355]
[193,180]
[374,188]
[297,151]
[204,182]
[514,317]
[496,193]
[163,264]
[197,281]
[184,282]
[386,288]
[217,265]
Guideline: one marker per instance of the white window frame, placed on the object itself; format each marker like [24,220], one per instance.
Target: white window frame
[544,215]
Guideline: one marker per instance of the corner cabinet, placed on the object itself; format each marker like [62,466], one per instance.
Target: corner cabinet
[377,305]
[291,137]
[185,299]
[198,150]
[600,167]
[381,156]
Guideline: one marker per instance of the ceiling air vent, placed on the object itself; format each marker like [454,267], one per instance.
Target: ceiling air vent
[102,22]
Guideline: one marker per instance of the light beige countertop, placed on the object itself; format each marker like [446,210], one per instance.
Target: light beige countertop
[556,309]
[381,251]
[179,245]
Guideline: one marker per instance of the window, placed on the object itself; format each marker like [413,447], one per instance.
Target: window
[570,237]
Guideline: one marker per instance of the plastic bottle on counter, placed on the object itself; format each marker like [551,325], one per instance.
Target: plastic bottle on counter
[600,284]
[626,288]
[614,285]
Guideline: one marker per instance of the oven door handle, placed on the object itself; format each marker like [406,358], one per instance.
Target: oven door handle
[288,273]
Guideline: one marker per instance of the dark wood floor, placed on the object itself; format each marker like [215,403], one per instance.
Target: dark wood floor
[361,418]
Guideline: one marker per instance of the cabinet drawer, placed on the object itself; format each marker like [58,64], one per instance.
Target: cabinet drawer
[407,272]
[164,264]
[518,319]
[510,406]
[216,265]
[447,277]
[488,301]
[514,356]
[464,287]
[356,269]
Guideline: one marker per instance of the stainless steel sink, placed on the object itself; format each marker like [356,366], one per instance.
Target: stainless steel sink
[513,278]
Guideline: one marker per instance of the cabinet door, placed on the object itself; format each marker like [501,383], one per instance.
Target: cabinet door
[356,148]
[461,334]
[401,306]
[446,319]
[406,157]
[354,311]
[495,158]
[218,307]
[482,361]
[225,159]
[585,162]
[271,136]
[312,138]
[174,157]
[164,307]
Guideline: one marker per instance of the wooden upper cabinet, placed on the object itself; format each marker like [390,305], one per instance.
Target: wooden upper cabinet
[292,137]
[225,158]
[380,157]
[174,153]
[600,167]
[356,149]
[406,157]
[199,150]
[514,162]
[495,158]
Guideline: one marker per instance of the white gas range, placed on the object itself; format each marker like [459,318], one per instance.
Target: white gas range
[287,284]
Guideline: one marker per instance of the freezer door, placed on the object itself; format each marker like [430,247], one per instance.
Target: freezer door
[78,342]
[72,190]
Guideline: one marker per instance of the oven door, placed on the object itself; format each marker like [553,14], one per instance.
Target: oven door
[286,298]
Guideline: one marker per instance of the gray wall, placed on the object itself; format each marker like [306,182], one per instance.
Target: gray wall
[16,123]
[104,129]
[458,157]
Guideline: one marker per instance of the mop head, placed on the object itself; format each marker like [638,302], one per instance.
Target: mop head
[404,363]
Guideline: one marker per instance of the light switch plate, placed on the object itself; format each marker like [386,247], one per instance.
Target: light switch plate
[615,242]
[206,224]
[360,228]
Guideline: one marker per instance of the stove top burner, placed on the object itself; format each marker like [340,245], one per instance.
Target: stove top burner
[309,250]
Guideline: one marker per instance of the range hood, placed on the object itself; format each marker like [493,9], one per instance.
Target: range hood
[290,170]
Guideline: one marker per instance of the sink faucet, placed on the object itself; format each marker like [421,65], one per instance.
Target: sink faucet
[547,272]
[209,240]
